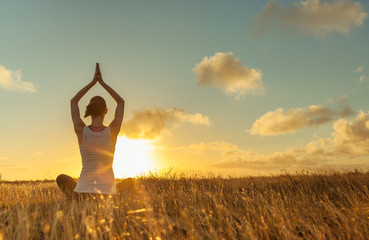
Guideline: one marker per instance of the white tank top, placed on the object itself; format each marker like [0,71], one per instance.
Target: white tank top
[97,152]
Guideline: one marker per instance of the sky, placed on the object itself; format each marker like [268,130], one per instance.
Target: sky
[235,88]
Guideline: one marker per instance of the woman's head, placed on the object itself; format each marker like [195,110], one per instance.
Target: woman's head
[96,107]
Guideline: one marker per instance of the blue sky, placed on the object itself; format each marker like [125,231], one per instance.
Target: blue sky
[148,50]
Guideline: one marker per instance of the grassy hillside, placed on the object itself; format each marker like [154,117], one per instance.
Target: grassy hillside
[310,206]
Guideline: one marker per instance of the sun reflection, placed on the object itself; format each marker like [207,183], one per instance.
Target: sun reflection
[132,157]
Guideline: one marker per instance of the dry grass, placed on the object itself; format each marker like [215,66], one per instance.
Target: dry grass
[306,206]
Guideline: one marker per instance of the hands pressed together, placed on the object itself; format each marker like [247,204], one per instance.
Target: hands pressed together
[97,76]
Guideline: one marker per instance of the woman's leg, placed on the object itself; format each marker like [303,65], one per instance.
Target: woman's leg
[66,184]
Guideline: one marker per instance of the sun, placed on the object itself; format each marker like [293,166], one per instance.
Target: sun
[132,157]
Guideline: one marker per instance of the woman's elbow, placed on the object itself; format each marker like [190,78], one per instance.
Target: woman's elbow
[73,101]
[121,100]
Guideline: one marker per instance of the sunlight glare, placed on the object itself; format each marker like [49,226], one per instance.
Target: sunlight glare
[132,157]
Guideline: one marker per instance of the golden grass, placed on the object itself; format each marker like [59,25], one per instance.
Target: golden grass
[304,206]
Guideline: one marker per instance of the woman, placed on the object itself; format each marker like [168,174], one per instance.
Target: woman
[96,143]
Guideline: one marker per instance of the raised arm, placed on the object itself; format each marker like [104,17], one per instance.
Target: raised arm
[119,111]
[76,118]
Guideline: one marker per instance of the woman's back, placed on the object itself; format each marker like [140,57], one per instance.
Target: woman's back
[97,152]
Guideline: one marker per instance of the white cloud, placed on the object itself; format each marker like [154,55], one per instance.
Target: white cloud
[12,81]
[351,137]
[153,123]
[227,73]
[283,121]
[348,143]
[311,17]
[360,70]
[349,140]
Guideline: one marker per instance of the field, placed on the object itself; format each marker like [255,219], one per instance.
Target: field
[303,206]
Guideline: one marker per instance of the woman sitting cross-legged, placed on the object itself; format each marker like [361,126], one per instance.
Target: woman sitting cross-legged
[96,143]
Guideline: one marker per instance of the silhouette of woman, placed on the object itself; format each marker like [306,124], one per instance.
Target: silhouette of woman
[96,144]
